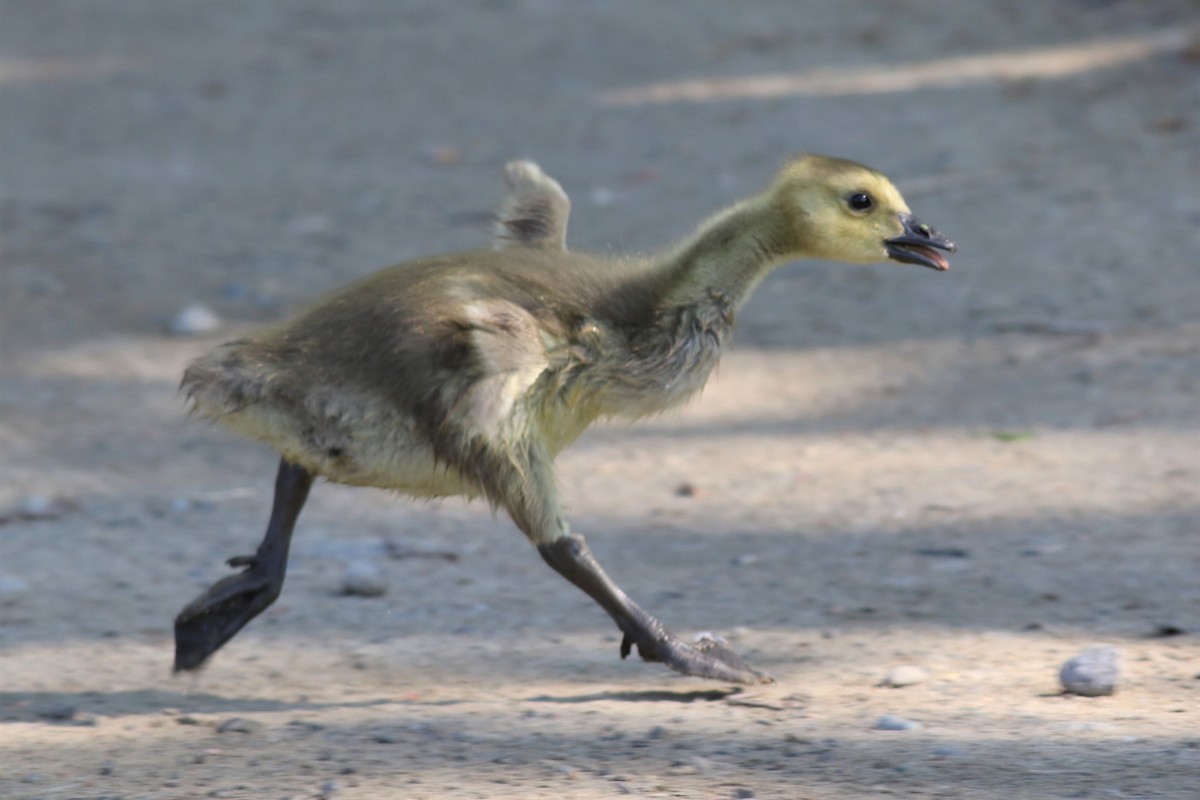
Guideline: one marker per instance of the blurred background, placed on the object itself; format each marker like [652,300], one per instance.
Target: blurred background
[977,472]
[248,156]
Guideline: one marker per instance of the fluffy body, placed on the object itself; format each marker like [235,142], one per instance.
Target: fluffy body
[467,373]
[388,381]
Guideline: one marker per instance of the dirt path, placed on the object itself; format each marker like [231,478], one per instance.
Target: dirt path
[977,474]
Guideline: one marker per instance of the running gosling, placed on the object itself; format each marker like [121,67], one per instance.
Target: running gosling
[466,374]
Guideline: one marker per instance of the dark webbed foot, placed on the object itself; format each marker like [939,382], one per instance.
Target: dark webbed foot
[214,617]
[571,557]
[707,658]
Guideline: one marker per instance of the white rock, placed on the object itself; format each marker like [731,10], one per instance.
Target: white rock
[195,320]
[37,506]
[1092,673]
[709,636]
[890,722]
[905,675]
[363,579]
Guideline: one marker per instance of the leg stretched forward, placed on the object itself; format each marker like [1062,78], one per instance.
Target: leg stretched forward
[572,558]
[522,479]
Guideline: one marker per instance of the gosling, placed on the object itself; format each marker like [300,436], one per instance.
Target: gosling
[466,374]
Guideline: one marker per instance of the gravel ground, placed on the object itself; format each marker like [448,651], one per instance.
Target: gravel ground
[912,497]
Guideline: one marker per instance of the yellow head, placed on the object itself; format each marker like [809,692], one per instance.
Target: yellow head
[840,210]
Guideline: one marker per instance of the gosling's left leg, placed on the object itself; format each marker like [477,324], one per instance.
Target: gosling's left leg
[213,618]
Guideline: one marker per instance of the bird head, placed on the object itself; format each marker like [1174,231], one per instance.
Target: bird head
[840,210]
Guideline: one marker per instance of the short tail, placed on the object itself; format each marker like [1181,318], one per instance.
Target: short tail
[535,210]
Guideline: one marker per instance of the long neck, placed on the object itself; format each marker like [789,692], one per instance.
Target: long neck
[685,307]
[722,263]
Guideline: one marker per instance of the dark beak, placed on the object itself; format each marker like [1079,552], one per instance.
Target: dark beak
[916,245]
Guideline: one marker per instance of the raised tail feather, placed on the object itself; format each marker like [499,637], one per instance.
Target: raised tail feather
[534,212]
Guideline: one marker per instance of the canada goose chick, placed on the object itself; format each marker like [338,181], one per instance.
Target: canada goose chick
[534,213]
[466,374]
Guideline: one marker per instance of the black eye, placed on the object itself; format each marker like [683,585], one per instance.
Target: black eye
[861,201]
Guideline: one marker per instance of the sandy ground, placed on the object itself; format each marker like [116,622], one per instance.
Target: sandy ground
[977,474]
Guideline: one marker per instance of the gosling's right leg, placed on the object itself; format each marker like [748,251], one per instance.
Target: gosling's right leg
[571,557]
[213,618]
[528,492]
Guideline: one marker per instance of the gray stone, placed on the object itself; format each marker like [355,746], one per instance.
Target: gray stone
[949,751]
[239,725]
[890,722]
[57,713]
[194,320]
[710,636]
[363,579]
[905,675]
[38,506]
[1092,673]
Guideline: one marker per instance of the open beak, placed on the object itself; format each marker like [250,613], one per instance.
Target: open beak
[919,244]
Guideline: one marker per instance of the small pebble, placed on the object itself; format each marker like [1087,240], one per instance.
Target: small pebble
[195,320]
[58,713]
[11,584]
[905,675]
[890,722]
[709,636]
[743,794]
[385,737]
[1092,673]
[239,725]
[949,752]
[37,506]
[363,579]
[1165,629]
[745,560]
